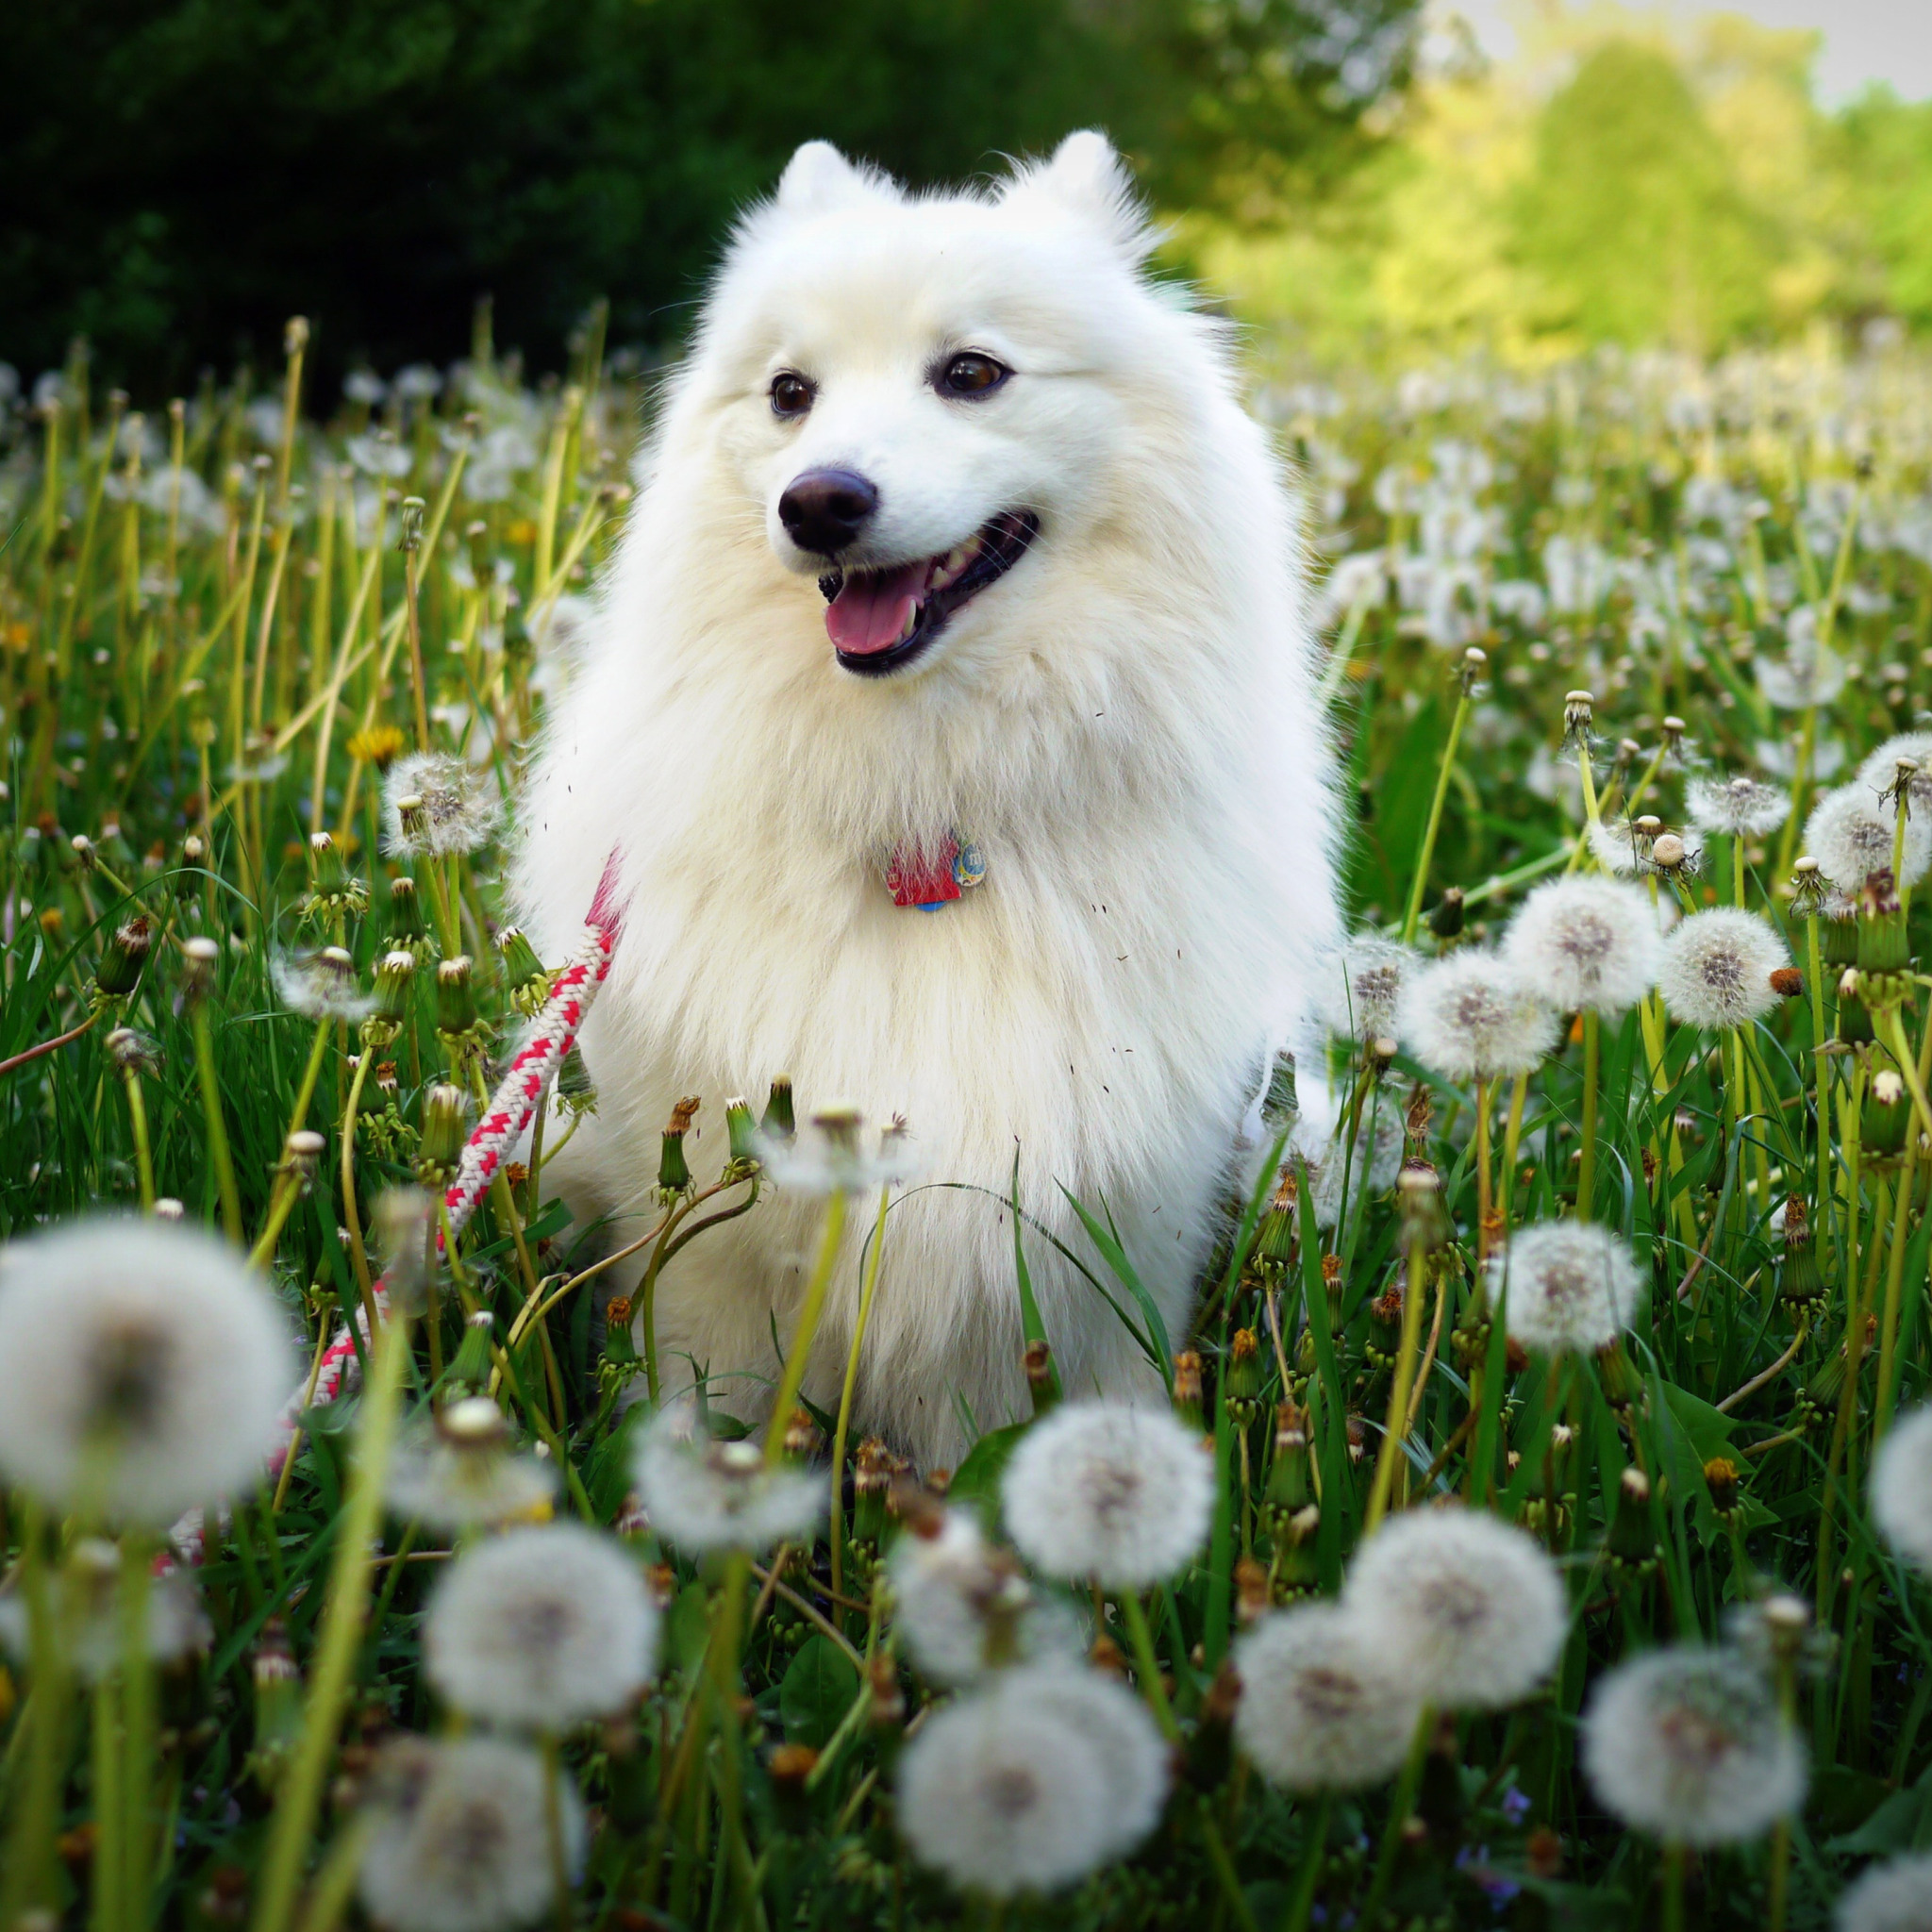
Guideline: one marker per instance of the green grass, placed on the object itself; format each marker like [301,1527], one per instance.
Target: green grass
[165,682]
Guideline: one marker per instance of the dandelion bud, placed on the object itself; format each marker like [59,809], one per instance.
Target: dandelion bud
[790,1766]
[412,817]
[1788,983]
[1250,1591]
[1243,1383]
[394,973]
[887,1710]
[1667,852]
[405,929]
[1186,1388]
[301,1153]
[168,1208]
[1446,922]
[119,972]
[1474,662]
[326,872]
[1888,1115]
[1580,713]
[740,1129]
[471,1368]
[1673,729]
[779,1122]
[199,958]
[277,1704]
[523,973]
[132,1052]
[295,335]
[402,1234]
[576,1092]
[674,1173]
[1041,1381]
[1647,826]
[1423,1225]
[456,998]
[1848,984]
[409,528]
[872,1477]
[1632,1538]
[445,1112]
[1721,1480]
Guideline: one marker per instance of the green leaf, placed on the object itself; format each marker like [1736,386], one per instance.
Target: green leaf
[688,1628]
[977,1478]
[1031,1327]
[1107,1240]
[817,1691]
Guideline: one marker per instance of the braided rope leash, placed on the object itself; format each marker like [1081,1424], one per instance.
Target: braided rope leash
[505,1119]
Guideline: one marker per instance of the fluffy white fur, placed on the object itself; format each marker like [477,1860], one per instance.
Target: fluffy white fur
[1124,723]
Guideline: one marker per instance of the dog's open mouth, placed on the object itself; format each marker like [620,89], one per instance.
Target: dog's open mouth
[879,619]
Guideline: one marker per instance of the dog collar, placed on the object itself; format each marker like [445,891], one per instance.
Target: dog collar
[929,879]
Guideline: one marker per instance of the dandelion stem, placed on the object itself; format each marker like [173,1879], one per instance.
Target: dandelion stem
[1586,1172]
[105,1911]
[1400,1807]
[812,1306]
[300,1793]
[137,1125]
[1301,1905]
[553,1830]
[1673,1887]
[138,1733]
[30,1845]
[1147,1665]
[47,1046]
[333,1885]
[1396,1427]
[838,1433]
[352,1218]
[1412,918]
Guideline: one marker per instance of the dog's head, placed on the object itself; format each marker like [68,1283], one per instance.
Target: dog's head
[925,394]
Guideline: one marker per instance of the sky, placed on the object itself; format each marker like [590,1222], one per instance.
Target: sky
[1864,40]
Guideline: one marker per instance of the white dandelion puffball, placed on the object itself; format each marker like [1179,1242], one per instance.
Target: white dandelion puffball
[459,1842]
[1360,986]
[88,1614]
[1717,968]
[1902,1488]
[542,1627]
[460,1471]
[1098,1490]
[1327,1704]
[1474,1606]
[1850,835]
[1004,1794]
[320,985]
[1804,677]
[1473,1016]
[1893,1897]
[1878,773]
[1741,807]
[705,1495]
[143,1369]
[962,1604]
[453,809]
[1586,945]
[1135,1757]
[1687,1744]
[1568,1286]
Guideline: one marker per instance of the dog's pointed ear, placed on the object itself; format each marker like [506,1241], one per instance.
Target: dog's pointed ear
[819,178]
[1087,177]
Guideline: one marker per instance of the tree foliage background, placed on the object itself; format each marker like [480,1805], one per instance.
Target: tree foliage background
[182,175]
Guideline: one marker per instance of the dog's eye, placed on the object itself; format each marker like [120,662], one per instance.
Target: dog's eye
[971,375]
[791,394]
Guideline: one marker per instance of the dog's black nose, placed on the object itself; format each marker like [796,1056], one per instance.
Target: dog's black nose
[824,510]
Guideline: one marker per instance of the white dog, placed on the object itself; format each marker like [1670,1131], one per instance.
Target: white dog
[1065,646]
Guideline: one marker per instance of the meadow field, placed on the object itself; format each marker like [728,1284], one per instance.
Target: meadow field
[1542,1534]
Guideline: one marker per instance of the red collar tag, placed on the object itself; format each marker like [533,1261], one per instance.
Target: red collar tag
[929,879]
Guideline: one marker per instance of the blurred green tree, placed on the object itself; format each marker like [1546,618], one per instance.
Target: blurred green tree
[1887,157]
[183,173]
[1631,220]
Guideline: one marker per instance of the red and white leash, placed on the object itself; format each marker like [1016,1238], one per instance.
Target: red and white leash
[505,1121]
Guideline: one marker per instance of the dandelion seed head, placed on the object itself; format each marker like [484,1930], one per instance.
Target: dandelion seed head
[88,1614]
[1371,1170]
[1586,945]
[706,1494]
[1806,676]
[1325,1704]
[1895,1897]
[540,1628]
[142,1367]
[1013,1788]
[460,1841]
[1687,1744]
[320,985]
[1741,807]
[832,1155]
[1360,985]
[1473,1605]
[454,811]
[1572,1287]
[962,1604]
[1850,834]
[1902,1488]
[1103,1491]
[454,1476]
[1879,772]
[1473,1016]
[1717,968]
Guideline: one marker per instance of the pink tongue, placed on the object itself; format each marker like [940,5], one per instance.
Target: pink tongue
[870,612]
